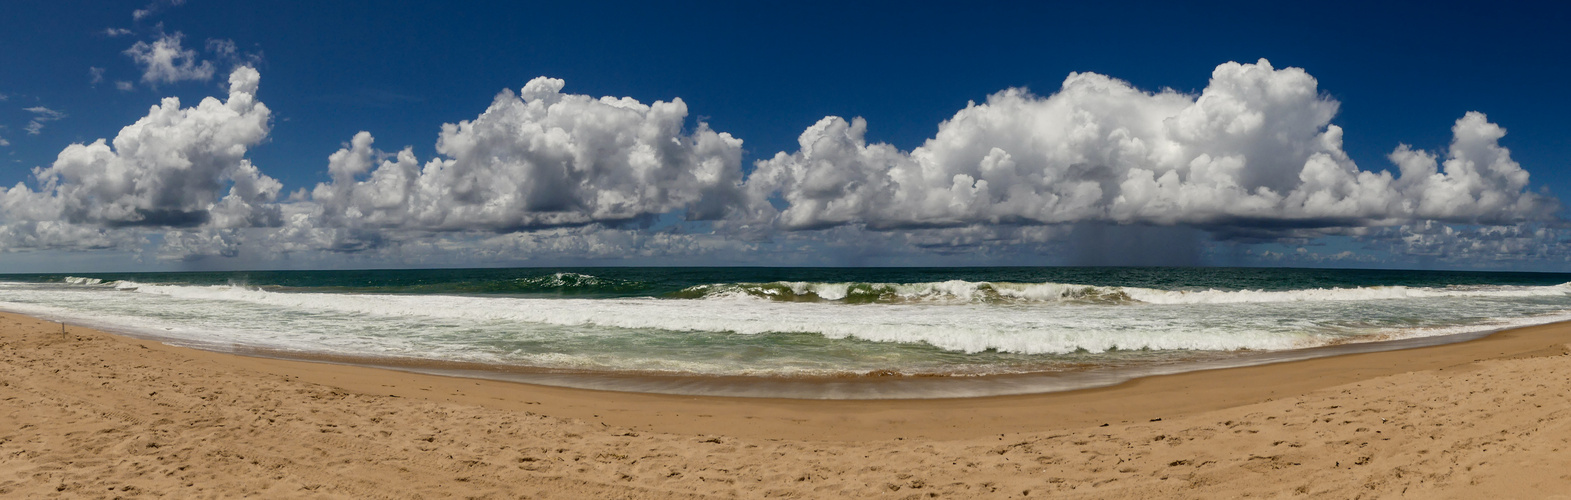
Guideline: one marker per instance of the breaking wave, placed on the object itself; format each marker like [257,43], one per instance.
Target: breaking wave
[768,322]
[957,291]
[554,283]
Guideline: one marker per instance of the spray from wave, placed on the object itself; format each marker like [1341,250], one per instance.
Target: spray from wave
[966,292]
[789,322]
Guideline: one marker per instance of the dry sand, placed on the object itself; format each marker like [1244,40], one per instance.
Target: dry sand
[89,414]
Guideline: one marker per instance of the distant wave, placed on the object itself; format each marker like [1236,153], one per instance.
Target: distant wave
[100,283]
[1008,331]
[893,293]
[941,292]
[555,283]
[575,281]
[957,291]
[697,328]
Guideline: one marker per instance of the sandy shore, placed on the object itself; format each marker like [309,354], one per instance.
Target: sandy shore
[89,414]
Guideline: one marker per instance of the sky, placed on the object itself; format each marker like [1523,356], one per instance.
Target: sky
[195,135]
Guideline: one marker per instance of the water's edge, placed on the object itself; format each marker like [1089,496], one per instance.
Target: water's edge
[815,388]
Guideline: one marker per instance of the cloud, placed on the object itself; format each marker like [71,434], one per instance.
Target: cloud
[153,8]
[62,235]
[1478,183]
[1098,172]
[302,237]
[1253,155]
[222,47]
[97,73]
[116,32]
[198,244]
[41,115]
[537,159]
[4,142]
[165,61]
[125,86]
[169,169]
[590,242]
[1478,244]
[228,53]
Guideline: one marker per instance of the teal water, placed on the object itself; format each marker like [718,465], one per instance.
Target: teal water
[609,282]
[794,322]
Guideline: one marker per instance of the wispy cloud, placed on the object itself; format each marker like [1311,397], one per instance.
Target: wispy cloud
[222,47]
[153,8]
[97,73]
[116,32]
[165,61]
[226,51]
[41,115]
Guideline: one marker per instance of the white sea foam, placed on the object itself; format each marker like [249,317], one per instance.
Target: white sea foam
[971,328]
[727,330]
[1339,294]
[957,291]
[562,280]
[1486,325]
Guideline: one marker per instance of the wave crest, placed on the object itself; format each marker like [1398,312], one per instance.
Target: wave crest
[565,280]
[894,293]
[958,291]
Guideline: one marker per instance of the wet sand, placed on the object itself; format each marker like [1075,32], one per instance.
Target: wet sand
[89,414]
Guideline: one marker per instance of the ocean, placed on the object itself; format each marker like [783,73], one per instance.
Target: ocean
[799,332]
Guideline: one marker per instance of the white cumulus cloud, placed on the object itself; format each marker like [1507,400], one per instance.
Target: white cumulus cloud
[170,168]
[165,61]
[1478,182]
[1254,153]
[539,158]
[543,174]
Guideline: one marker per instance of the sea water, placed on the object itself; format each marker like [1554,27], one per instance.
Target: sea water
[793,323]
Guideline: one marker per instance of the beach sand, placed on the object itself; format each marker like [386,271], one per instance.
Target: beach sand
[89,414]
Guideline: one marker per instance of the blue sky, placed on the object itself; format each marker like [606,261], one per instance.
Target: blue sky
[765,73]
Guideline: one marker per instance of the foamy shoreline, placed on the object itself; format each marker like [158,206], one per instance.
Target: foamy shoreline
[854,386]
[696,346]
[88,414]
[846,386]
